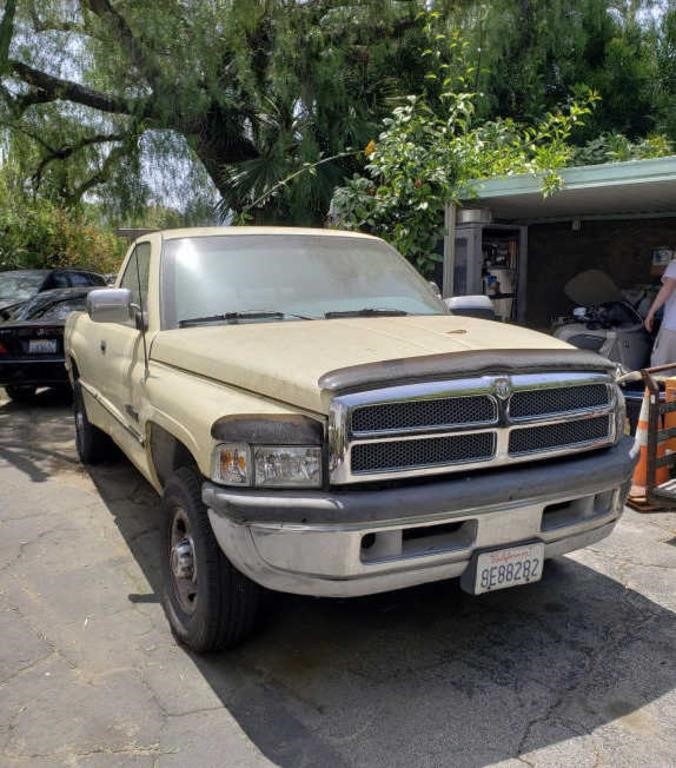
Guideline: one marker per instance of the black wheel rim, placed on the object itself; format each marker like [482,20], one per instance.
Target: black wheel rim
[182,561]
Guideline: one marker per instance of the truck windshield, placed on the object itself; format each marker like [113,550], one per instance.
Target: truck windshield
[292,275]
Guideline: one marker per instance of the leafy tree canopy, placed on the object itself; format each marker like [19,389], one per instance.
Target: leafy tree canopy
[100,99]
[433,148]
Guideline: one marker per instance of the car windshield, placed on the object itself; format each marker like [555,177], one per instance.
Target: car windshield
[55,310]
[21,286]
[295,275]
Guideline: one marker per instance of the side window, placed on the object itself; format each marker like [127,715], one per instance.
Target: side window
[80,278]
[58,280]
[136,279]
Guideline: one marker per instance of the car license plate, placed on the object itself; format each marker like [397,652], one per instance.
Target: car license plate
[41,346]
[504,568]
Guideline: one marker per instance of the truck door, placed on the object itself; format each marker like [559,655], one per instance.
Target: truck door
[122,357]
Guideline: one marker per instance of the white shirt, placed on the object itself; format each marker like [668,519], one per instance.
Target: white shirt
[669,320]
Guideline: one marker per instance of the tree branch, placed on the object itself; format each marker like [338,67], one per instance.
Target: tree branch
[6,32]
[50,88]
[99,177]
[39,25]
[64,152]
[136,50]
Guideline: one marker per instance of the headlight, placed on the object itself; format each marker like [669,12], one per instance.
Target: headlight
[293,465]
[264,466]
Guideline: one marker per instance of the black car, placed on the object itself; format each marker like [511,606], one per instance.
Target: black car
[31,342]
[19,285]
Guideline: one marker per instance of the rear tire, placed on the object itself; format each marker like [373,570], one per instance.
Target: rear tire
[92,444]
[20,393]
[209,604]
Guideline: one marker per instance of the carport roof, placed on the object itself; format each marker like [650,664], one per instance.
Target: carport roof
[637,187]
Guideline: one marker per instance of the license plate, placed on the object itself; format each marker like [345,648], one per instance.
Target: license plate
[509,567]
[41,346]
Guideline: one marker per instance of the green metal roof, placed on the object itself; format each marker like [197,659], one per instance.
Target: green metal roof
[628,188]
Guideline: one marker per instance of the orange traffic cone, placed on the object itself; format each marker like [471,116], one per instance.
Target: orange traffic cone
[640,479]
[670,418]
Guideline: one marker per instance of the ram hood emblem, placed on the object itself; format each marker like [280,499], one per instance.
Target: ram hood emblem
[503,388]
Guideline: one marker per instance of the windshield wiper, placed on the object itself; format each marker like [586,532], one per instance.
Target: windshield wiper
[235,317]
[367,312]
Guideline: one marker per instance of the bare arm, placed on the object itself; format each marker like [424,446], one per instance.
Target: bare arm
[664,293]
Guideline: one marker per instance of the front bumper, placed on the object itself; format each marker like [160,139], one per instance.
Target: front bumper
[41,372]
[357,542]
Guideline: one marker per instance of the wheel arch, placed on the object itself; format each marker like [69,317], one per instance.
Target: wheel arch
[167,453]
[72,367]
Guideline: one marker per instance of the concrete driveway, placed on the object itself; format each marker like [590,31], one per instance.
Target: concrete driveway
[579,669]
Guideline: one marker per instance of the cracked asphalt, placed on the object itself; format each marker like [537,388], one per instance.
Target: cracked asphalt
[579,669]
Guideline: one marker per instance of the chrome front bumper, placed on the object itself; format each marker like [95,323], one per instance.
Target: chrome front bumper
[367,541]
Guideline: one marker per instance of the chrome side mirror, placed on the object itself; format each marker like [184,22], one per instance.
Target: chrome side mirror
[109,305]
[471,306]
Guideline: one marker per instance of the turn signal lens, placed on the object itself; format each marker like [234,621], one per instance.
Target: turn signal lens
[231,464]
[3,349]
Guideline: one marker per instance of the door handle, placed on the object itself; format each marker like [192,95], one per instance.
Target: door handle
[102,346]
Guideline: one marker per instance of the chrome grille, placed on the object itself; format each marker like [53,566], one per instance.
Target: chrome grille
[564,434]
[436,413]
[428,452]
[459,425]
[543,402]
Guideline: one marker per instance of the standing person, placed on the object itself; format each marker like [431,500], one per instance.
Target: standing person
[664,349]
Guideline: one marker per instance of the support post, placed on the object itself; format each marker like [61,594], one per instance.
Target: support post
[449,250]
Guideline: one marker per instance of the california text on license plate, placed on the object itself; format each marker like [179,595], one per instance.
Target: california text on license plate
[41,346]
[504,568]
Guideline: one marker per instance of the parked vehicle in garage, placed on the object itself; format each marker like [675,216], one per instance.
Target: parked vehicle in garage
[318,423]
[31,342]
[604,321]
[19,285]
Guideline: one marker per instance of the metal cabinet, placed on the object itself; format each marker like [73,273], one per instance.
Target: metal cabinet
[491,259]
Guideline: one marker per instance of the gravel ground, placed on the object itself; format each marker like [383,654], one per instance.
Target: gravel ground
[579,669]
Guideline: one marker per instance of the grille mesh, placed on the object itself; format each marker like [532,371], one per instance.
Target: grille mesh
[546,401]
[440,412]
[408,454]
[562,435]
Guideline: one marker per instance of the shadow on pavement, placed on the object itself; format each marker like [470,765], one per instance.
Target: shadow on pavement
[17,434]
[427,676]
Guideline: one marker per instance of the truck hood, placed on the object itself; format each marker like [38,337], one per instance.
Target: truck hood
[285,360]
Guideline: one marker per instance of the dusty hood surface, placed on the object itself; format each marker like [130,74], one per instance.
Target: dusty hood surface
[284,360]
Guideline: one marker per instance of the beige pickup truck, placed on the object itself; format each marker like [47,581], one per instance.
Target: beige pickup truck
[317,422]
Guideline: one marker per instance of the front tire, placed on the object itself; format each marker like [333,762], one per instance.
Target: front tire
[92,444]
[210,605]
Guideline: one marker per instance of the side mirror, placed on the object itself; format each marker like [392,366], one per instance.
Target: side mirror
[471,306]
[109,305]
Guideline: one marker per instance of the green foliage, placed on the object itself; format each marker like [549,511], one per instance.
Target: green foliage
[432,149]
[614,147]
[528,56]
[37,233]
